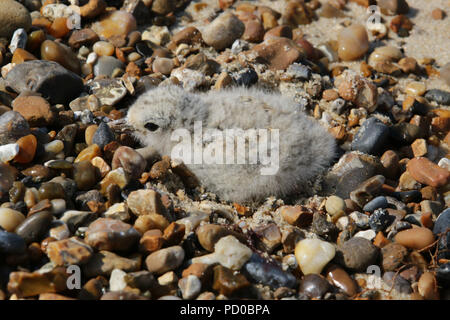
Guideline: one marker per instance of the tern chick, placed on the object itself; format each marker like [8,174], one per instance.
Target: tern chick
[298,147]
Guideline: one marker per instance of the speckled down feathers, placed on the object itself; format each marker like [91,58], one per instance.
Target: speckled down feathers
[306,149]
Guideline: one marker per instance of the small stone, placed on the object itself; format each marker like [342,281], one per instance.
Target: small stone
[415,238]
[269,274]
[440,226]
[227,282]
[103,48]
[21,55]
[313,254]
[34,227]
[379,220]
[165,260]
[222,31]
[88,153]
[93,8]
[190,287]
[398,283]
[335,205]
[8,152]
[57,52]
[152,240]
[163,65]
[130,160]
[174,233]
[103,135]
[358,90]
[427,172]
[115,24]
[84,175]
[297,12]
[379,202]
[357,254]
[163,7]
[28,284]
[401,25]
[393,7]
[371,137]
[68,252]
[36,110]
[438,14]
[111,235]
[428,287]
[117,280]
[105,66]
[353,42]
[83,37]
[297,215]
[415,88]
[27,149]
[419,148]
[13,16]
[314,286]
[46,77]
[341,279]
[324,228]
[12,127]
[51,190]
[117,177]
[10,219]
[366,234]
[393,255]
[209,234]
[56,146]
[145,202]
[231,253]
[11,243]
[439,96]
[103,263]
[408,65]
[278,53]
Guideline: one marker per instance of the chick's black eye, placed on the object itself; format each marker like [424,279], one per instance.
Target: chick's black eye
[151,126]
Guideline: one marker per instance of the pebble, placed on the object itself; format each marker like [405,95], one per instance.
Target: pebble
[47,78]
[278,53]
[12,127]
[51,190]
[88,153]
[11,243]
[359,90]
[164,260]
[222,31]
[57,52]
[117,280]
[114,177]
[379,202]
[335,205]
[393,7]
[357,254]
[36,110]
[297,215]
[439,96]
[209,234]
[313,254]
[379,220]
[268,274]
[353,42]
[227,282]
[93,8]
[34,227]
[231,253]
[28,284]
[10,219]
[398,283]
[84,174]
[443,273]
[366,234]
[314,286]
[104,262]
[415,238]
[103,48]
[152,240]
[27,149]
[18,40]
[132,162]
[415,88]
[427,172]
[56,146]
[145,202]
[163,65]
[69,252]
[341,279]
[8,152]
[440,226]
[190,287]
[393,255]
[106,66]
[111,235]
[103,135]
[13,16]
[371,137]
[428,287]
[163,7]
[115,24]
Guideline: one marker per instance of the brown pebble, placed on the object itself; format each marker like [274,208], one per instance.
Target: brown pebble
[415,238]
[438,14]
[353,42]
[427,172]
[35,109]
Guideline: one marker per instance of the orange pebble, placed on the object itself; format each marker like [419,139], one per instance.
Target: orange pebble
[59,28]
[21,55]
[42,23]
[27,149]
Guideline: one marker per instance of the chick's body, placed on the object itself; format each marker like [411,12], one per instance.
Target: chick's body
[305,147]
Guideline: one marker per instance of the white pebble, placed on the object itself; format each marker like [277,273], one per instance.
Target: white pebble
[91,58]
[190,287]
[8,152]
[444,163]
[56,146]
[366,234]
[117,280]
[313,254]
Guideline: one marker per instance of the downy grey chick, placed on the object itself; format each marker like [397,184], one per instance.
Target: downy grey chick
[306,149]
